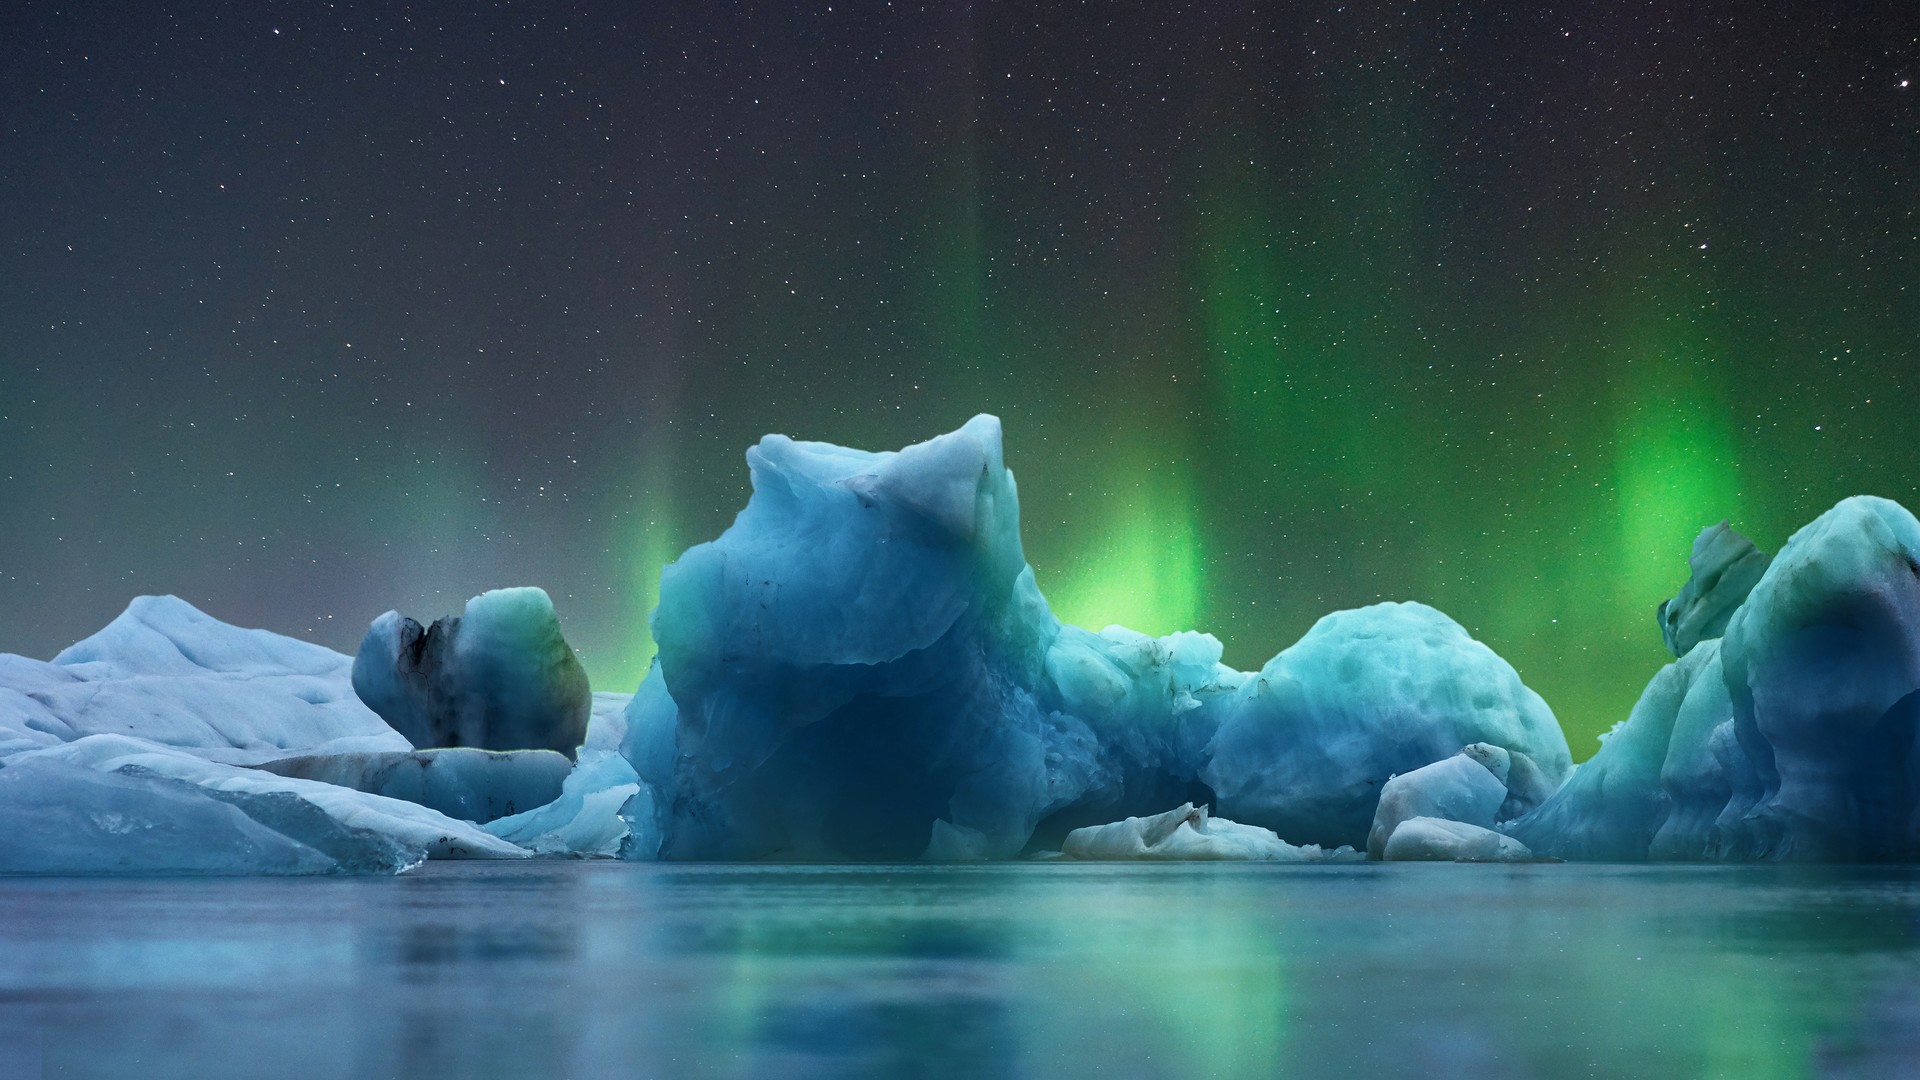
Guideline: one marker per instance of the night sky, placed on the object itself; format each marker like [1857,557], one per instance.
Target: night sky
[308,312]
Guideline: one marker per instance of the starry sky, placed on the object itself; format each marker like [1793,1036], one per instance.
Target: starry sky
[312,311]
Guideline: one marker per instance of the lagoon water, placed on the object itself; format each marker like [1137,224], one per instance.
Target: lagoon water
[558,969]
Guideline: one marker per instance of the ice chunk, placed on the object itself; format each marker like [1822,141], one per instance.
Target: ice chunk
[1612,806]
[68,819]
[1794,738]
[590,816]
[1822,664]
[863,667]
[166,672]
[499,677]
[365,833]
[1429,839]
[1468,787]
[1725,568]
[473,785]
[1188,833]
[1306,744]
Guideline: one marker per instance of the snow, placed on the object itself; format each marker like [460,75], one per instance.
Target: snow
[175,676]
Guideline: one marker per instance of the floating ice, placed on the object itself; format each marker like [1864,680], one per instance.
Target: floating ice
[1305,745]
[1189,833]
[172,675]
[473,785]
[1469,787]
[862,667]
[1793,738]
[499,677]
[1429,839]
[1726,566]
[69,819]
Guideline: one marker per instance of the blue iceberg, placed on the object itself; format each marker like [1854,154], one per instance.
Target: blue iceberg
[862,667]
[1790,737]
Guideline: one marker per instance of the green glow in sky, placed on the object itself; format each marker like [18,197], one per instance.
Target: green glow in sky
[1142,565]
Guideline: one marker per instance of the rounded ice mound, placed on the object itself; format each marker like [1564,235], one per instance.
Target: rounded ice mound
[1793,736]
[1822,664]
[165,671]
[1305,745]
[498,677]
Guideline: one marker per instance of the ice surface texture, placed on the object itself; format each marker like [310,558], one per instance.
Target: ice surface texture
[499,677]
[473,785]
[1792,737]
[125,754]
[1189,833]
[862,667]
[167,672]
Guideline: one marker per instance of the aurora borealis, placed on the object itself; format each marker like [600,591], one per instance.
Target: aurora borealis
[315,312]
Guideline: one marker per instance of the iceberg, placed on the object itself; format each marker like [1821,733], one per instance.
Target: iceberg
[498,677]
[1431,839]
[1304,746]
[1189,833]
[472,785]
[1725,567]
[68,819]
[863,667]
[1790,737]
[167,672]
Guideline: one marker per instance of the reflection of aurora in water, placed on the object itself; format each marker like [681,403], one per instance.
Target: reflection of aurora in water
[583,969]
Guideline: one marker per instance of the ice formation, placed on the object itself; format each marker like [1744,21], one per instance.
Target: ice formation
[473,785]
[131,746]
[862,667]
[1726,566]
[498,677]
[1432,839]
[1189,833]
[1790,737]
[170,674]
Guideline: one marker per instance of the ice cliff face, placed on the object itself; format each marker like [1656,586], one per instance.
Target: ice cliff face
[861,667]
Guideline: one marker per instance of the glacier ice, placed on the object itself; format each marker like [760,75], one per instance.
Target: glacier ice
[1469,787]
[590,816]
[1789,737]
[1725,568]
[1189,833]
[1305,745]
[1431,839]
[360,830]
[460,782]
[68,819]
[498,677]
[862,667]
[175,676]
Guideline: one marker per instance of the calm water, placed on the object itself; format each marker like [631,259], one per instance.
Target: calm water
[556,970]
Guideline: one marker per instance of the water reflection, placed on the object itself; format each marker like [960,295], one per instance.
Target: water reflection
[578,970]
